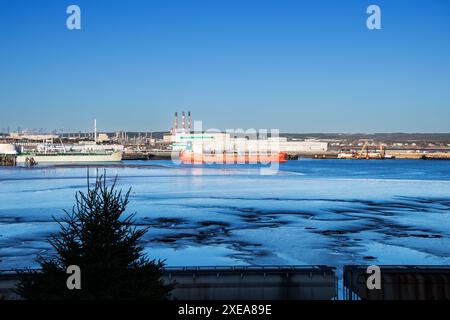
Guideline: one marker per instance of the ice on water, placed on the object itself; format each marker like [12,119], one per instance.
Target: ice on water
[329,212]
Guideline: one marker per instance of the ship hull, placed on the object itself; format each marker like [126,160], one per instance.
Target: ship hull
[49,158]
[189,158]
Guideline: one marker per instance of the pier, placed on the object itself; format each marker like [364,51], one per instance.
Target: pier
[148,155]
[8,160]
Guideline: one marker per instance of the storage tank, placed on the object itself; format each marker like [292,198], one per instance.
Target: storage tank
[7,148]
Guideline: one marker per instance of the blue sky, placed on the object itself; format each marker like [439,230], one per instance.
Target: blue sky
[300,66]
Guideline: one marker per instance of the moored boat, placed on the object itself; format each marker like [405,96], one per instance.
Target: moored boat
[41,157]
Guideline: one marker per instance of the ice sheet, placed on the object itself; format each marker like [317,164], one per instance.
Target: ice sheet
[329,212]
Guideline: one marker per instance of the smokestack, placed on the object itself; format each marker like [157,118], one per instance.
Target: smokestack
[183,121]
[189,121]
[175,123]
[95,131]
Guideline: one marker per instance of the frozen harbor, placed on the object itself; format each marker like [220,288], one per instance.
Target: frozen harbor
[330,212]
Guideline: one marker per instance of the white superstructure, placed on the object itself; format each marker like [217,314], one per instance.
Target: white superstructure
[224,142]
[6,148]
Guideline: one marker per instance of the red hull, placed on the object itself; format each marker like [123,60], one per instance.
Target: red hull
[190,157]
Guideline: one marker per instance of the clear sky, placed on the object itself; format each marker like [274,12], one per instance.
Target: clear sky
[300,66]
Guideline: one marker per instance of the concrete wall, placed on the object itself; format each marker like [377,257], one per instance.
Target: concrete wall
[254,283]
[400,283]
[226,283]
[7,285]
[294,283]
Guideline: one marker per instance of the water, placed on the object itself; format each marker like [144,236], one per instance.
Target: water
[331,212]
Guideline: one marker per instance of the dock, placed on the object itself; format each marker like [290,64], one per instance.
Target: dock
[148,155]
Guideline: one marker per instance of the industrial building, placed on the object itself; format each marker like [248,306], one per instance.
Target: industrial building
[7,148]
[182,139]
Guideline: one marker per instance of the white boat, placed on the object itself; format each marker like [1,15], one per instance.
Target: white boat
[42,157]
[48,151]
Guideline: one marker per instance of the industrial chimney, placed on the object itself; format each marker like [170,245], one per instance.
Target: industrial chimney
[189,121]
[175,123]
[183,122]
[95,131]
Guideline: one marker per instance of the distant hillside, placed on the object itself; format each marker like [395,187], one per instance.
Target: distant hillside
[399,137]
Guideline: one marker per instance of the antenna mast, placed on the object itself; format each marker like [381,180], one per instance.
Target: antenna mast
[95,131]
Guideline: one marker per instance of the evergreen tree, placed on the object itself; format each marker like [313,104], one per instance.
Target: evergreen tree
[96,237]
